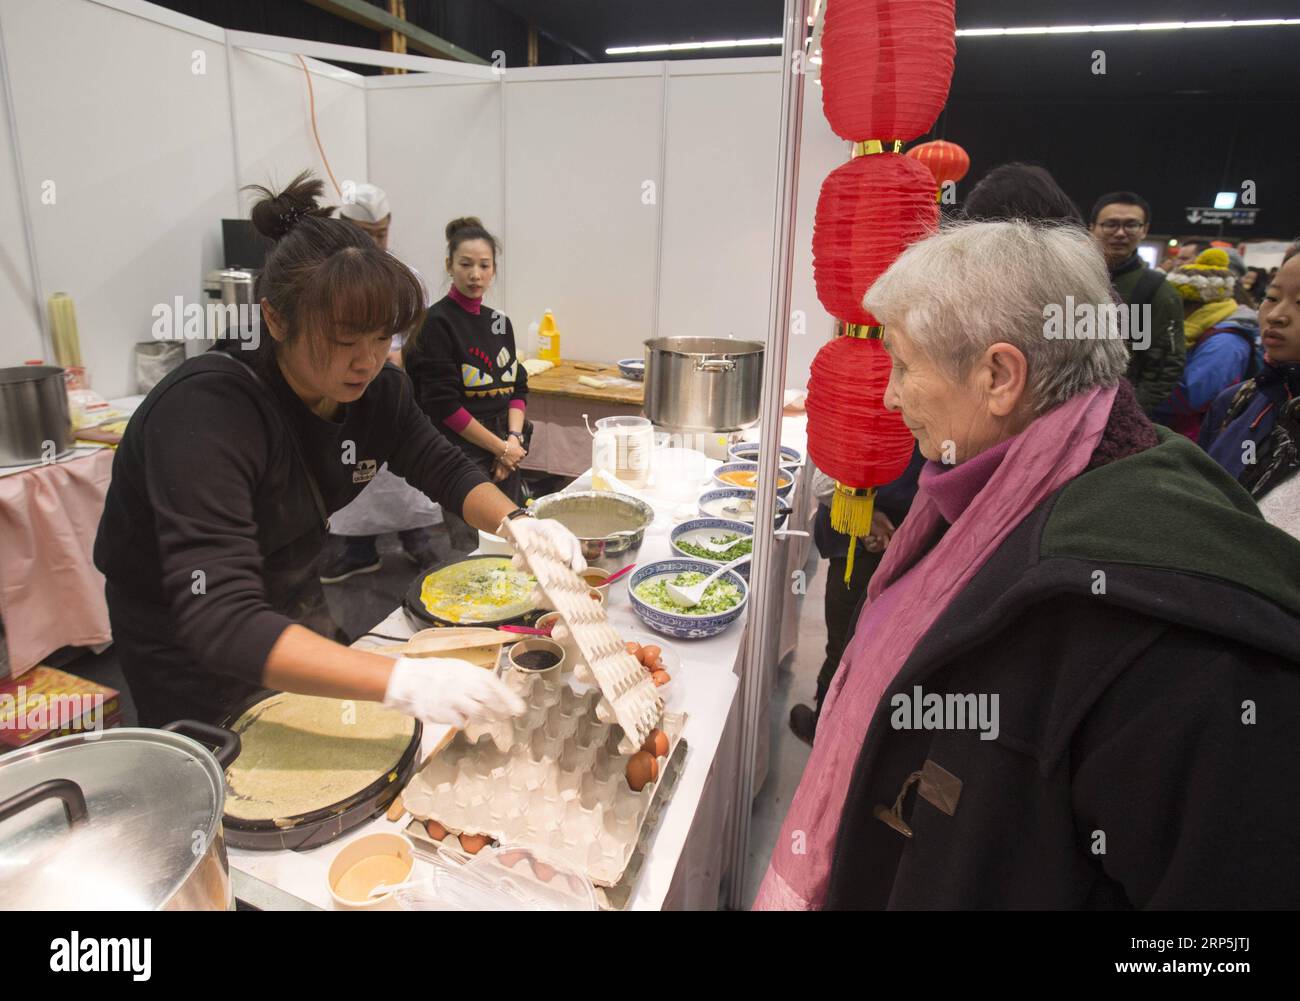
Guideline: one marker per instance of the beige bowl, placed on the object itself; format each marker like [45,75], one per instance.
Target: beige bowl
[374,860]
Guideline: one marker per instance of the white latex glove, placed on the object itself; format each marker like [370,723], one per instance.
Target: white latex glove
[553,536]
[443,690]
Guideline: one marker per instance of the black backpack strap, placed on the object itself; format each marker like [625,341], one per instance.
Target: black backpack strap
[316,496]
[1148,284]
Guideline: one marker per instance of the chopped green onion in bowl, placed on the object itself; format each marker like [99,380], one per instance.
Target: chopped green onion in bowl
[721,596]
[742,545]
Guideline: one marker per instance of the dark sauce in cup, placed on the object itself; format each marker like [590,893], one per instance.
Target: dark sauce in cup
[536,660]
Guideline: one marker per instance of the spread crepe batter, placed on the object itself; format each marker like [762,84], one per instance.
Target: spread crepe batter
[301,753]
[477,590]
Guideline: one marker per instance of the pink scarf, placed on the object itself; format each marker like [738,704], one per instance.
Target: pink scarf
[915,582]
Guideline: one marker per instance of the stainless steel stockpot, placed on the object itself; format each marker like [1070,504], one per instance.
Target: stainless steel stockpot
[703,383]
[125,819]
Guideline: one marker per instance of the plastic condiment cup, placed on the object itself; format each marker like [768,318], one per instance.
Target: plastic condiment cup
[541,644]
[389,843]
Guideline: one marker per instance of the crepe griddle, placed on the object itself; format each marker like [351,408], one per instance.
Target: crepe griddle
[422,618]
[321,826]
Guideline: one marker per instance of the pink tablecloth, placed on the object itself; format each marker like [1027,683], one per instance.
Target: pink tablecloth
[51,595]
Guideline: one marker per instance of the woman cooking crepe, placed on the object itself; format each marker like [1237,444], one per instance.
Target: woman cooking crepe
[216,514]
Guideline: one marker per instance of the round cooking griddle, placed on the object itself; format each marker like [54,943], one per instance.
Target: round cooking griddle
[420,616]
[318,825]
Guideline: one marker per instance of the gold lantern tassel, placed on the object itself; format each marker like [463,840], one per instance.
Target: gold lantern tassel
[851,509]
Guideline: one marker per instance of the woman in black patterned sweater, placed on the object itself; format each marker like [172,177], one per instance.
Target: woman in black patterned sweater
[467,375]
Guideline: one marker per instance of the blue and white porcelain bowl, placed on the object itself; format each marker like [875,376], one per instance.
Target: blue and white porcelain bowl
[685,627]
[747,451]
[705,529]
[632,368]
[713,504]
[784,477]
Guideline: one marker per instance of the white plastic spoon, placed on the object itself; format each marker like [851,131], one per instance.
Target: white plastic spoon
[691,596]
[715,548]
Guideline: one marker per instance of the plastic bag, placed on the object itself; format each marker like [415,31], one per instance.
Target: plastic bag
[154,359]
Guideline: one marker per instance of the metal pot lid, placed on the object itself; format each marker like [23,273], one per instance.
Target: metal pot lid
[153,804]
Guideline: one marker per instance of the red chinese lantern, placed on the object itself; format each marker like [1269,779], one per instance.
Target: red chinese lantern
[841,408]
[886,66]
[870,209]
[946,161]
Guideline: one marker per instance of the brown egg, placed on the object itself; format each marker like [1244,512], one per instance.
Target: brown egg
[654,665]
[631,647]
[642,769]
[661,678]
[640,656]
[656,743]
[652,652]
[435,829]
[474,843]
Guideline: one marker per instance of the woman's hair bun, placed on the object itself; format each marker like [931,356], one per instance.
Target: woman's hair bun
[465,222]
[274,215]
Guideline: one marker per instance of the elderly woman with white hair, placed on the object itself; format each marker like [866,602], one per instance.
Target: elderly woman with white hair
[1074,677]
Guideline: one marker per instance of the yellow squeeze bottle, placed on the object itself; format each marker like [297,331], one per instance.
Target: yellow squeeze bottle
[548,339]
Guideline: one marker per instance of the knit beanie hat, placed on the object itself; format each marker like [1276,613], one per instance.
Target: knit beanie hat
[1208,279]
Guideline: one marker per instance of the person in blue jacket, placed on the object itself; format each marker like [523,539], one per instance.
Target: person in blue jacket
[1221,336]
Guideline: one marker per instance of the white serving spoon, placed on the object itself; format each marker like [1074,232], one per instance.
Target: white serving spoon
[691,596]
[714,548]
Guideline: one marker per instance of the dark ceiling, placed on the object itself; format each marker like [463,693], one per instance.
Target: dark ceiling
[594,25]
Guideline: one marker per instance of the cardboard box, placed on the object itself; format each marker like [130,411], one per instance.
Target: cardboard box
[45,703]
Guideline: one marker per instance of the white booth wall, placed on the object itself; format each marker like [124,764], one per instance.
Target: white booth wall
[272,115]
[125,159]
[147,155]
[633,200]
[126,108]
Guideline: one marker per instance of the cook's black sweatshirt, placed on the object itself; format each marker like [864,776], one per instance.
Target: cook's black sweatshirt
[465,360]
[210,514]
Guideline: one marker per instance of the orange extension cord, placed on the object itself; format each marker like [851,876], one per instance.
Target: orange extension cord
[311,98]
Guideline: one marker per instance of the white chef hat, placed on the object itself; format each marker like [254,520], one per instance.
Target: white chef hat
[367,204]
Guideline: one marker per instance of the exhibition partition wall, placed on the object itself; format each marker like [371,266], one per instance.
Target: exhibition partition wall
[632,199]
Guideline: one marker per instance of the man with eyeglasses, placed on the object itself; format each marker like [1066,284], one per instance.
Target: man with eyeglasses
[1119,222]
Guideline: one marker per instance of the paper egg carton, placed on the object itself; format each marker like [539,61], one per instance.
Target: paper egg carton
[551,779]
[609,898]
[630,697]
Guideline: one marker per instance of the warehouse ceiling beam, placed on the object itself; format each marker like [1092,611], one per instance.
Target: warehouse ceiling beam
[377,19]
[393,41]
